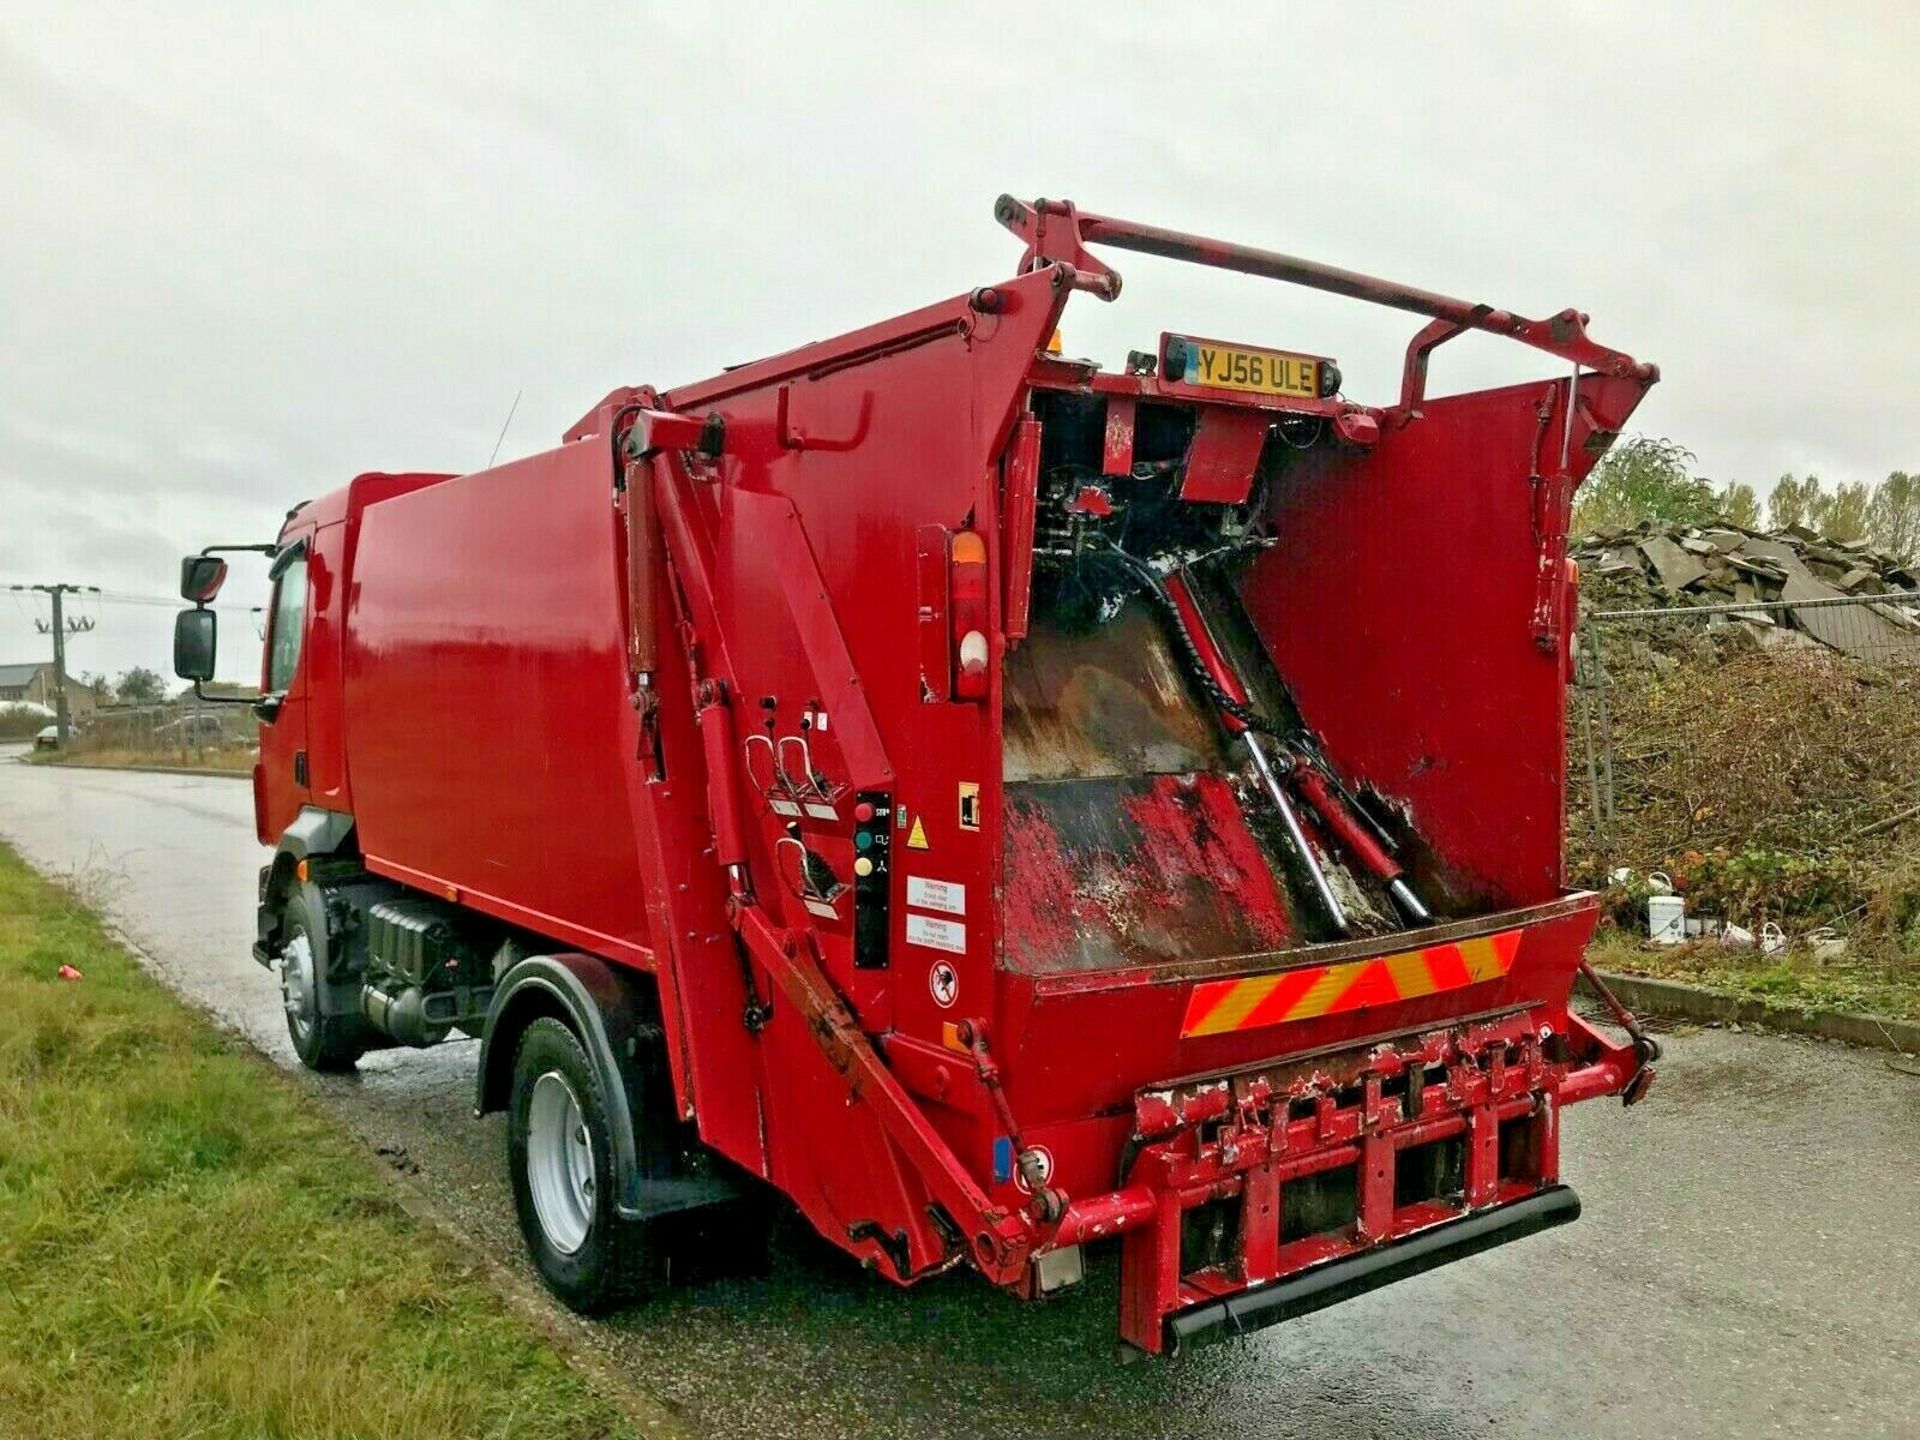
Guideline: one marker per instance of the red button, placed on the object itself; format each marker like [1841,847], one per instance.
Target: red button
[863,812]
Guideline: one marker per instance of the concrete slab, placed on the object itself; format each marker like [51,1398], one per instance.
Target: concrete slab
[1851,629]
[1676,568]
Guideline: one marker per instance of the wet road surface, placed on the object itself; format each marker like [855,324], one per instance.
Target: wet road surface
[1748,1264]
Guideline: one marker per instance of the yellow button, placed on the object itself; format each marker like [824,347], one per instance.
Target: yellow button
[863,866]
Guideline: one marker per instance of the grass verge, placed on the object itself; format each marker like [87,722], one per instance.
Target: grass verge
[188,1248]
[1846,985]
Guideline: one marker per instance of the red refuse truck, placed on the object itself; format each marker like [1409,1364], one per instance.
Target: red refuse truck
[999,803]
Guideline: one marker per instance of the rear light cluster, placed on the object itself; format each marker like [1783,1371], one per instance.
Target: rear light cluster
[967,592]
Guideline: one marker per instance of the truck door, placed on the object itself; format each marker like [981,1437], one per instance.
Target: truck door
[285,783]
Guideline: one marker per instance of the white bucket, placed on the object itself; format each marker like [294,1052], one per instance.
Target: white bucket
[1666,919]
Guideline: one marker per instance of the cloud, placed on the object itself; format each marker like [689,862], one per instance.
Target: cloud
[251,250]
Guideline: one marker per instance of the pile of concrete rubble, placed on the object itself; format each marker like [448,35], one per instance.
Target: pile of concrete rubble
[1768,576]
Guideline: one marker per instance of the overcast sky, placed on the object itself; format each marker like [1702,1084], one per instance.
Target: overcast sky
[244,257]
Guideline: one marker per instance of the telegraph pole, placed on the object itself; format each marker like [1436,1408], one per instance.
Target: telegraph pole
[61,628]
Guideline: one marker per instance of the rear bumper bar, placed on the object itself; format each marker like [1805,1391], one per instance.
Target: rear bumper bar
[1257,1196]
[1339,1280]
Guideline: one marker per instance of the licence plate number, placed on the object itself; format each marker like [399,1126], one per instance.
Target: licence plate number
[1261,372]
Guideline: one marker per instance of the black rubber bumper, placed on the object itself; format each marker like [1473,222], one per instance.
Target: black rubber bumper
[1339,1280]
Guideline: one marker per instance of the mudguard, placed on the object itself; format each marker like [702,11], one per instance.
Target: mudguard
[314,833]
[616,1021]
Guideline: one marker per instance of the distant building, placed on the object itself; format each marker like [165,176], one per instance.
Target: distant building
[35,682]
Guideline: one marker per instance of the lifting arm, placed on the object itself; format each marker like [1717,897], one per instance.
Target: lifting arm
[1056,231]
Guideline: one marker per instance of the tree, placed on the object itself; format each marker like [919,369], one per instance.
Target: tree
[1644,479]
[1739,505]
[101,687]
[1796,502]
[1893,517]
[1845,514]
[140,686]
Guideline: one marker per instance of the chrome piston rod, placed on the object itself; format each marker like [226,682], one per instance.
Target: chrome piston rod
[1278,795]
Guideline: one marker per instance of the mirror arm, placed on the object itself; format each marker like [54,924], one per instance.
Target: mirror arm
[202,695]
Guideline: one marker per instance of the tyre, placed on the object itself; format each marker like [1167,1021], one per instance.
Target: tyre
[560,1158]
[322,1041]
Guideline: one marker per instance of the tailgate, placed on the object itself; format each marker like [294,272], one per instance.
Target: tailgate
[1161,1022]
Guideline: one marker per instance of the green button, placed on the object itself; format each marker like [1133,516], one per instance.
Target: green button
[862,840]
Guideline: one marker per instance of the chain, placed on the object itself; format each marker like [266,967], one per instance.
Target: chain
[1190,650]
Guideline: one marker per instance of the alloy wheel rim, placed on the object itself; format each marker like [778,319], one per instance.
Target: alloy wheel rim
[297,986]
[560,1171]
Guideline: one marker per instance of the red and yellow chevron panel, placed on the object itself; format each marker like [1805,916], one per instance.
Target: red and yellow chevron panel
[1219,1006]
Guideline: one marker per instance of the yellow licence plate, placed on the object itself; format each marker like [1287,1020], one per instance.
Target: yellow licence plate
[1262,372]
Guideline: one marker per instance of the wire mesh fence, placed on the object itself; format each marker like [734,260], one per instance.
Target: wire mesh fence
[1772,746]
[204,737]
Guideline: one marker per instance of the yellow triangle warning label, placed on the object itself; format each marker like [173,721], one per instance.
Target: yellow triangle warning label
[917,837]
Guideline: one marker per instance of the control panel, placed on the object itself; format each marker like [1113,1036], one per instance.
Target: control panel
[872,877]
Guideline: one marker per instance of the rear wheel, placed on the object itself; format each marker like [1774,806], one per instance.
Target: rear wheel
[560,1157]
[322,1041]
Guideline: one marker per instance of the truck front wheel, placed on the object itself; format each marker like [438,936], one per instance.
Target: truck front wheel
[322,1041]
[560,1156]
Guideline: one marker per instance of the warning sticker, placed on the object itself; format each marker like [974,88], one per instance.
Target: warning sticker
[1043,1162]
[947,896]
[944,981]
[948,935]
[969,805]
[917,837]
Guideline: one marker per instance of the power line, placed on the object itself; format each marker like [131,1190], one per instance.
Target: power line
[96,596]
[64,625]
[503,427]
[162,602]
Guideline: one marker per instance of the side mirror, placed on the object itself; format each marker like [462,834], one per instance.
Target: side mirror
[201,577]
[193,642]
